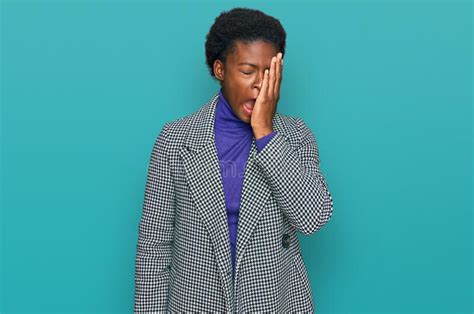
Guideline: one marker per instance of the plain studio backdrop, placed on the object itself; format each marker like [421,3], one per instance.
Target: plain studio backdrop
[386,88]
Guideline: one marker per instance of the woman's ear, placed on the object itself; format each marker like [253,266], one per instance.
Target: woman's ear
[218,70]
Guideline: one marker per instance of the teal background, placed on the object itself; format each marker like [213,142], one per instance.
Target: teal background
[385,86]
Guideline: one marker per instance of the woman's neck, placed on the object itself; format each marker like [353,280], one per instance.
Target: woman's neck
[226,120]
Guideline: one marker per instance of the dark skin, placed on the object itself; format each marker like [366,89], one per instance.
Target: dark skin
[253,71]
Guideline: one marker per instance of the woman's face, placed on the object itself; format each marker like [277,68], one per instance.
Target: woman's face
[241,76]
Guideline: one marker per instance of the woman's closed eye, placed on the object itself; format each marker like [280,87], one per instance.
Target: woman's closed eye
[247,73]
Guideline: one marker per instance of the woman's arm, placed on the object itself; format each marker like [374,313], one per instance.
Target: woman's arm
[296,180]
[155,239]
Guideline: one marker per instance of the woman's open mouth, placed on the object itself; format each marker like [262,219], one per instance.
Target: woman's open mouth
[248,106]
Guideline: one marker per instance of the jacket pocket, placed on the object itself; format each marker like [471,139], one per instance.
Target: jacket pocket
[301,270]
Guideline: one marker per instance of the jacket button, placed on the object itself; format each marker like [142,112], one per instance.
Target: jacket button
[285,240]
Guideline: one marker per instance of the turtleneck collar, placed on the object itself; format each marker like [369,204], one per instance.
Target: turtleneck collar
[227,121]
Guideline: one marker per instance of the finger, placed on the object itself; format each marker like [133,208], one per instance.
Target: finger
[264,90]
[278,77]
[271,84]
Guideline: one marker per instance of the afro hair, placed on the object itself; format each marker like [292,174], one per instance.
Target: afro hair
[245,25]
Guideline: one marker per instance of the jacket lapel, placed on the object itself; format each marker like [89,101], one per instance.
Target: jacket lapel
[203,176]
[255,194]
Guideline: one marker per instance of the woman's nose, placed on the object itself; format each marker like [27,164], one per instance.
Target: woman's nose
[258,81]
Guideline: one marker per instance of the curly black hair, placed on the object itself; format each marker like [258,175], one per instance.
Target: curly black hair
[241,24]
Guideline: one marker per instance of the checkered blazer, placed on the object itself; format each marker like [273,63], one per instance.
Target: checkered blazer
[183,260]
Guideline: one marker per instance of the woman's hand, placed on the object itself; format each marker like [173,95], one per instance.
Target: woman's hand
[266,102]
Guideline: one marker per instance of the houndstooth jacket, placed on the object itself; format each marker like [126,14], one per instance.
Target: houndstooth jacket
[183,260]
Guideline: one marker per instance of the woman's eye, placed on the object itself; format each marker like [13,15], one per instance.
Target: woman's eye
[247,73]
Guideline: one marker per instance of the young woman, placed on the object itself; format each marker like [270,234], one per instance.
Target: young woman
[230,185]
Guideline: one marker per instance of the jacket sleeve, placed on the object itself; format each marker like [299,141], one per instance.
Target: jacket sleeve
[263,141]
[155,233]
[296,181]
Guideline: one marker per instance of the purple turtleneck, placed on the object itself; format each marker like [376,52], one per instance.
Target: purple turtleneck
[233,142]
